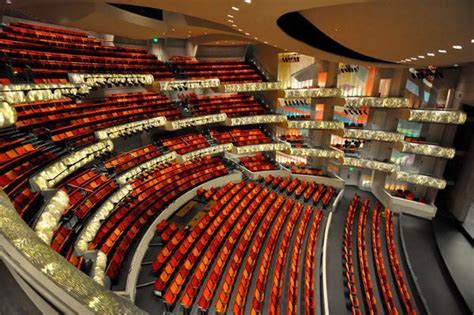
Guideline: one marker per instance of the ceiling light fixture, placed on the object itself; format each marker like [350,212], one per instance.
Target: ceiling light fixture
[430,54]
[240,30]
[235,9]
[472,41]
[421,57]
[230,15]
[247,34]
[231,21]
[442,51]
[248,1]
[456,65]
[234,25]
[457,46]
[413,58]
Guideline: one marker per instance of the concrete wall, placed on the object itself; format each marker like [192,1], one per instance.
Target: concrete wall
[267,56]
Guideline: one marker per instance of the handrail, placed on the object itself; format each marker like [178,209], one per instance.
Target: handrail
[50,274]
[324,264]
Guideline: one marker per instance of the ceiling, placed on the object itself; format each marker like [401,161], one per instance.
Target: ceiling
[382,30]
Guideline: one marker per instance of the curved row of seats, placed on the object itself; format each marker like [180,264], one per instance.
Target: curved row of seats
[67,120]
[21,155]
[228,71]
[240,136]
[384,277]
[379,261]
[86,191]
[214,264]
[363,259]
[127,160]
[395,265]
[306,170]
[234,105]
[150,195]
[349,271]
[50,52]
[186,143]
[257,163]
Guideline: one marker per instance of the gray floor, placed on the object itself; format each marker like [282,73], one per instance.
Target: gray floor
[468,224]
[424,260]
[428,268]
[336,287]
[458,255]
[13,300]
[150,303]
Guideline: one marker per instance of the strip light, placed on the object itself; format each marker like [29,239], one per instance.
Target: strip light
[425,149]
[311,124]
[195,121]
[252,120]
[57,171]
[104,79]
[313,93]
[188,84]
[375,135]
[205,151]
[130,128]
[377,102]
[370,164]
[252,87]
[418,179]
[314,152]
[261,148]
[435,116]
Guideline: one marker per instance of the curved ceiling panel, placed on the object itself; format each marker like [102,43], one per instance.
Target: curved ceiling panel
[297,26]
[435,32]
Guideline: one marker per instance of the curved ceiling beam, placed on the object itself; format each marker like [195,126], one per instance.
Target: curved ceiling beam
[298,27]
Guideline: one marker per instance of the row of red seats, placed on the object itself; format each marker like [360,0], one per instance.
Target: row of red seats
[186,143]
[231,235]
[364,269]
[279,269]
[299,139]
[245,213]
[305,170]
[20,157]
[395,265]
[240,136]
[408,195]
[234,105]
[86,191]
[63,31]
[379,261]
[268,252]
[206,230]
[257,163]
[293,283]
[310,191]
[328,196]
[177,239]
[267,219]
[51,53]
[66,120]
[310,264]
[319,193]
[127,160]
[159,180]
[153,197]
[348,261]
[228,71]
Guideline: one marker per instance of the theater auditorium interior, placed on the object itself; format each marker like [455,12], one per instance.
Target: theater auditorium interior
[237,157]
